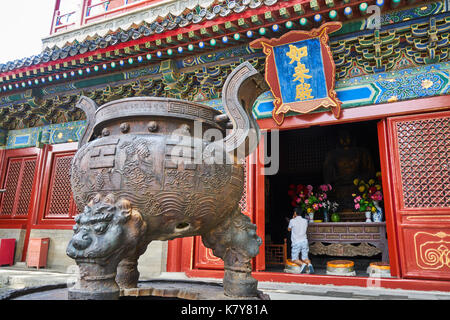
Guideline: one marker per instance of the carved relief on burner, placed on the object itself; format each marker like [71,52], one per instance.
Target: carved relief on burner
[152,205]
[124,127]
[152,126]
[78,185]
[102,154]
[137,171]
[214,177]
[180,150]
[179,180]
[192,110]
[199,204]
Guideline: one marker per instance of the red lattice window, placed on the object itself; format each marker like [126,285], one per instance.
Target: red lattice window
[424,159]
[60,196]
[18,184]
[26,186]
[243,201]
[10,185]
[276,253]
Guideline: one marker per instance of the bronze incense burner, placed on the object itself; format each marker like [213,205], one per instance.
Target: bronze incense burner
[154,169]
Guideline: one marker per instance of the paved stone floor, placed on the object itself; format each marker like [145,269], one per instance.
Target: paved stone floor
[50,284]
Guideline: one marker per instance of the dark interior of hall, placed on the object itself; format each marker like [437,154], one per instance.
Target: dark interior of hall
[302,155]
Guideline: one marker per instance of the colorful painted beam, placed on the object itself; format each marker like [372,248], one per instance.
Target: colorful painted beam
[427,81]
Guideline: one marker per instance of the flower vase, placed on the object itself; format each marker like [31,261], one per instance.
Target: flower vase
[368,216]
[311,216]
[325,215]
[377,216]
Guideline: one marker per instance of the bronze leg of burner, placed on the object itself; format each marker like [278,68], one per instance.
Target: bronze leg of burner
[127,271]
[107,233]
[127,274]
[236,243]
[96,282]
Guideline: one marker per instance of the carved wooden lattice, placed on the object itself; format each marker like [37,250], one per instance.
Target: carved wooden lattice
[243,201]
[306,161]
[11,183]
[424,156]
[18,185]
[276,254]
[26,185]
[60,191]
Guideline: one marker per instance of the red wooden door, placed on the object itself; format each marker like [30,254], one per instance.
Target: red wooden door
[57,207]
[20,171]
[419,158]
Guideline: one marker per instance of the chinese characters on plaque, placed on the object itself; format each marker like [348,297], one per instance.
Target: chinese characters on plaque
[300,71]
[302,90]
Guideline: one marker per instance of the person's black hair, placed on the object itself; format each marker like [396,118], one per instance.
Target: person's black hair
[299,212]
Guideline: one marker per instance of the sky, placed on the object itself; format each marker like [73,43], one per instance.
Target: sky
[23,23]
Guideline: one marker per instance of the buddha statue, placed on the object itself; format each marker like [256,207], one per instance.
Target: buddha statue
[342,165]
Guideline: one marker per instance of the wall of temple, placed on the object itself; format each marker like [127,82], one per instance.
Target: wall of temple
[406,59]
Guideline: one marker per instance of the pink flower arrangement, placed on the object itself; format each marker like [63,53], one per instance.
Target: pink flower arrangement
[377,196]
[322,196]
[305,198]
[325,187]
[366,193]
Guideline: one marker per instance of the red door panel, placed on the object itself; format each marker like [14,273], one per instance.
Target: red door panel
[204,257]
[59,199]
[427,251]
[420,164]
[56,204]
[18,178]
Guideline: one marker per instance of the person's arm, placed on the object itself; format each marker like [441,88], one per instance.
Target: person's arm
[289,226]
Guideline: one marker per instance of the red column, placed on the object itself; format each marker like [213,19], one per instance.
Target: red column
[258,193]
[2,157]
[36,194]
[388,192]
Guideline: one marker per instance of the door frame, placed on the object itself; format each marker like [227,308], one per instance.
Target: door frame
[356,114]
[428,221]
[38,221]
[25,223]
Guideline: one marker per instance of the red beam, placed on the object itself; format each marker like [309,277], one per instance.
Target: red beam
[370,112]
[388,191]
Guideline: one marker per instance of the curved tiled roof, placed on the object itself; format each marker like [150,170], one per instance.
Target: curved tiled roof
[132,31]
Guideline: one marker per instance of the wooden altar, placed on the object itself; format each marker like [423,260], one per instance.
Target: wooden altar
[348,239]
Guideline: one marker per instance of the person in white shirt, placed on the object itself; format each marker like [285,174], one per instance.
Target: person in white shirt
[299,242]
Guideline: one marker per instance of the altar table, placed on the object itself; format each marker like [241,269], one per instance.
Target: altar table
[348,239]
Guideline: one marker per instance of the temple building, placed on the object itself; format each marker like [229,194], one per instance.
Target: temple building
[384,147]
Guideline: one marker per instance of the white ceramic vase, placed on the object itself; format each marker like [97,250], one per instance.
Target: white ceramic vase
[377,216]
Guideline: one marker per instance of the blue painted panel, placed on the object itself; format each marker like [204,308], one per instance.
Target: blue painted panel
[313,63]
[21,139]
[354,94]
[266,106]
